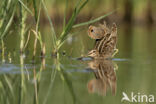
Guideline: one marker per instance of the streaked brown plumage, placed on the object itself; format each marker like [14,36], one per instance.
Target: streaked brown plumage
[105,77]
[106,40]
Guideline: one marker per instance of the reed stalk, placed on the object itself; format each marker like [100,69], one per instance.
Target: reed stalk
[65,13]
[7,13]
[54,38]
[35,46]
[69,25]
[3,51]
[37,32]
[43,51]
[93,21]
[22,27]
[35,9]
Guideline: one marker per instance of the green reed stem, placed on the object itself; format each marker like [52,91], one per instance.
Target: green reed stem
[65,13]
[26,8]
[51,25]
[38,18]
[37,32]
[7,12]
[3,51]
[7,26]
[35,9]
[69,25]
[22,27]
[93,21]
[35,46]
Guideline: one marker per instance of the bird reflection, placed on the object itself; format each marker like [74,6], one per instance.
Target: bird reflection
[105,77]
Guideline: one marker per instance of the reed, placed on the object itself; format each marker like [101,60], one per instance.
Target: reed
[37,32]
[35,46]
[93,21]
[54,38]
[7,13]
[3,51]
[70,23]
[23,11]
[22,27]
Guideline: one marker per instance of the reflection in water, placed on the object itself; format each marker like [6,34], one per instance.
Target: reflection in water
[105,77]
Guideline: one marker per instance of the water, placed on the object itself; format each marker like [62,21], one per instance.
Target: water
[67,80]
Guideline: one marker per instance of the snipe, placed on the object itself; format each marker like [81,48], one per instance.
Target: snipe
[106,40]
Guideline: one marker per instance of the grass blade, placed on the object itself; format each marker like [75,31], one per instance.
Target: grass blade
[8,25]
[70,23]
[65,13]
[93,21]
[51,25]
[26,7]
[35,9]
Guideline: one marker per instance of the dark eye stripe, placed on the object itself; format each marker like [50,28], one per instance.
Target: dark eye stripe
[92,30]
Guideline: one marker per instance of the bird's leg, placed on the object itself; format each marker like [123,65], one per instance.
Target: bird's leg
[115,52]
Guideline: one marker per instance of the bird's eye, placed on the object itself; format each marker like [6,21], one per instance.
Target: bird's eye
[92,30]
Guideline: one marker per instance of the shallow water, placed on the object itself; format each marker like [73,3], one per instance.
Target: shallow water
[67,80]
